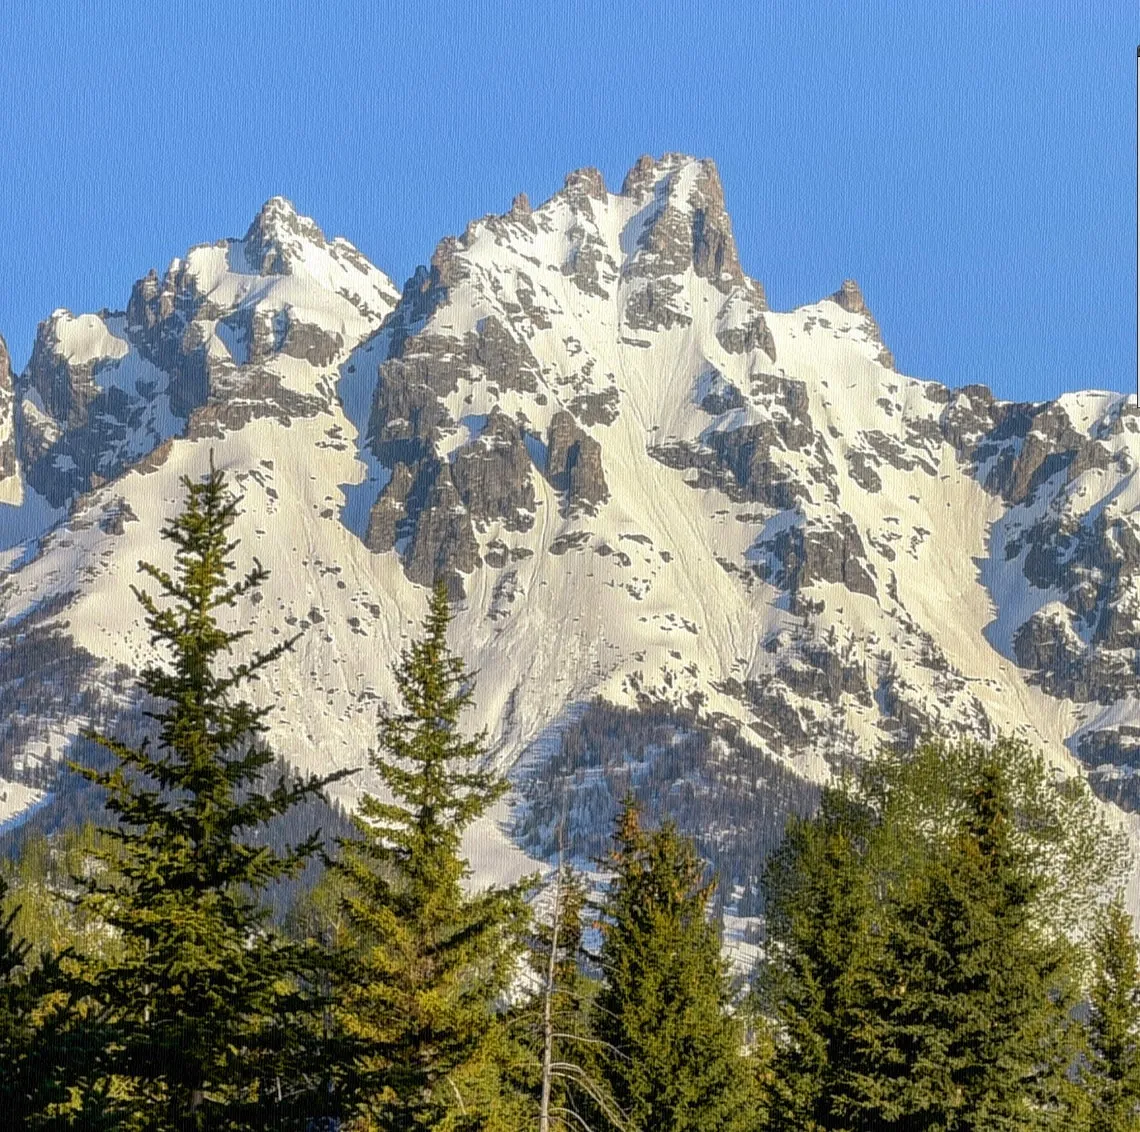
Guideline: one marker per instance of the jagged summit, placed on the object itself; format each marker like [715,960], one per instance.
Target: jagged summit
[850,298]
[213,340]
[277,238]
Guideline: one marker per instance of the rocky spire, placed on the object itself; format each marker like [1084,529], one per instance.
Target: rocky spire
[276,238]
[850,298]
[7,409]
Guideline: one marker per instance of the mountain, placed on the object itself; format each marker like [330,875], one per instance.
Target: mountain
[700,548]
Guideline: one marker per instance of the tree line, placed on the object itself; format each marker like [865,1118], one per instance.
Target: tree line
[938,951]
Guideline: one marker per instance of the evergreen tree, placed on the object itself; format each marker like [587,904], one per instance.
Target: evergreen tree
[917,970]
[675,1054]
[824,953]
[31,1047]
[202,999]
[1112,1076]
[430,962]
[976,1002]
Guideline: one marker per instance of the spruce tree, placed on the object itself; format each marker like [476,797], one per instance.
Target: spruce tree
[32,1047]
[429,961]
[977,1025]
[202,995]
[918,973]
[672,1051]
[823,957]
[1112,1074]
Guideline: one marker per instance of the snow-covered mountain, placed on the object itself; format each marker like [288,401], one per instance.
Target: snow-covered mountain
[699,547]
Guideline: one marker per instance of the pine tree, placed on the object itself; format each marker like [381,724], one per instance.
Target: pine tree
[201,999]
[675,1054]
[1112,1076]
[430,961]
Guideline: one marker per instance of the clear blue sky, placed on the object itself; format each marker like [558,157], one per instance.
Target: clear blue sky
[971,163]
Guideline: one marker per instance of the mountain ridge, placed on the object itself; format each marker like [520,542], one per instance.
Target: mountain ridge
[648,492]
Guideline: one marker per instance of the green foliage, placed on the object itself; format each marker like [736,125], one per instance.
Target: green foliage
[196,1011]
[1056,824]
[918,968]
[42,880]
[975,1000]
[675,1053]
[824,951]
[1112,1073]
[428,961]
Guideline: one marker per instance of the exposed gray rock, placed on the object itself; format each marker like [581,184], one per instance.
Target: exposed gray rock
[495,554]
[507,362]
[752,335]
[426,291]
[850,298]
[8,458]
[807,553]
[90,427]
[723,398]
[583,186]
[524,289]
[493,476]
[66,389]
[597,408]
[715,257]
[639,180]
[574,464]
[312,344]
[1118,747]
[276,237]
[885,449]
[420,511]
[1051,445]
[116,516]
[389,510]
[586,259]
[863,472]
[743,462]
[443,542]
[678,235]
[650,307]
[574,540]
[1094,564]
[407,408]
[826,676]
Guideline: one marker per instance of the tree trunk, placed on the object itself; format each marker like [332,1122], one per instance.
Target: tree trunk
[547,1009]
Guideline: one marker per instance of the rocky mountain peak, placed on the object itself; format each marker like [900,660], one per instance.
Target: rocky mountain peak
[276,239]
[647,492]
[648,172]
[850,298]
[587,180]
[8,461]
